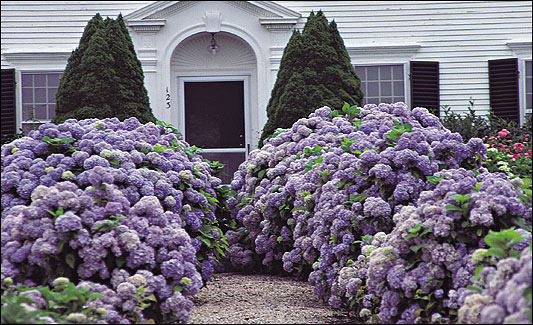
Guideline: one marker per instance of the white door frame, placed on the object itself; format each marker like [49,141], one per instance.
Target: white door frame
[181,80]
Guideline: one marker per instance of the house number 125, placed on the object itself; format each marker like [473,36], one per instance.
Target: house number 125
[168,99]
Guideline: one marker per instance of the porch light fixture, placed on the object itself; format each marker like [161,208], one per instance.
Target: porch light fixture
[213,48]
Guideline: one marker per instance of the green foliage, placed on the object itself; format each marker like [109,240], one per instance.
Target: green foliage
[108,225]
[471,125]
[64,304]
[508,154]
[468,126]
[501,242]
[399,129]
[103,77]
[315,71]
[500,247]
[350,111]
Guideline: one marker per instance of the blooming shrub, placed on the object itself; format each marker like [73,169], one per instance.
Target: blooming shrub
[312,191]
[503,291]
[41,305]
[102,200]
[513,158]
[421,271]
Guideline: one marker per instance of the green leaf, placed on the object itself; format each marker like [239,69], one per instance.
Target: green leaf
[451,207]
[120,261]
[151,298]
[115,162]
[415,248]
[70,260]
[435,180]
[496,251]
[459,198]
[415,229]
[261,174]
[474,288]
[426,231]
[206,241]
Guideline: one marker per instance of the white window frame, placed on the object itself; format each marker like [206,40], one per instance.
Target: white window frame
[18,93]
[522,89]
[406,79]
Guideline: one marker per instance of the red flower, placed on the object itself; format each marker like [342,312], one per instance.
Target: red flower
[503,133]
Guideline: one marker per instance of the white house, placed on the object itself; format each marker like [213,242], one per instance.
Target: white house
[425,53]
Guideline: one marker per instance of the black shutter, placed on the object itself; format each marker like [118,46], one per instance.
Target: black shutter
[503,88]
[425,85]
[8,124]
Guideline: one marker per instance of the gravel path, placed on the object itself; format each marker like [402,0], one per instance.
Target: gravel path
[234,298]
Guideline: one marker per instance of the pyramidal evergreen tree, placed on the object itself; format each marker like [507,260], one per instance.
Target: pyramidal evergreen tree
[105,78]
[67,96]
[315,71]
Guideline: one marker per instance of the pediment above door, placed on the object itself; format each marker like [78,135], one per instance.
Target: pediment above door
[154,16]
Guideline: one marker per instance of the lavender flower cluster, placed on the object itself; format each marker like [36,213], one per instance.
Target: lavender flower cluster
[97,198]
[504,300]
[420,271]
[311,192]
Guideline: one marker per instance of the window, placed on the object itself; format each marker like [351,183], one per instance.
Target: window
[529,86]
[39,95]
[382,83]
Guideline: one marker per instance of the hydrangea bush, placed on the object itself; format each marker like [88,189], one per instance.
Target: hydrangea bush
[421,272]
[503,291]
[305,199]
[103,200]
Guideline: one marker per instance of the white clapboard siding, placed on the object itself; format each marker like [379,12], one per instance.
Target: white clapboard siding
[461,35]
[53,25]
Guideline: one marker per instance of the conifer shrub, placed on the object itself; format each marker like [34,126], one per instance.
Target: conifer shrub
[103,77]
[315,71]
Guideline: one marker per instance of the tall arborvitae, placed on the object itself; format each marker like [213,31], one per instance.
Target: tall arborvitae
[130,96]
[68,97]
[110,80]
[315,71]
[288,64]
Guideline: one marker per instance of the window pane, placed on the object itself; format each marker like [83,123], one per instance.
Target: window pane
[373,100]
[40,80]
[373,89]
[397,72]
[53,79]
[529,103]
[27,80]
[386,88]
[51,111]
[398,88]
[387,100]
[40,95]
[360,72]
[399,99]
[385,72]
[372,73]
[40,112]
[27,112]
[52,95]
[529,68]
[27,95]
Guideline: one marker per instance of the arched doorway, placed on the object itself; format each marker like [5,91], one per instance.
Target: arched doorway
[214,95]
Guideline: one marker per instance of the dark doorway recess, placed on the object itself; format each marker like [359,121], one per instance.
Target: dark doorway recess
[214,119]
[214,114]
